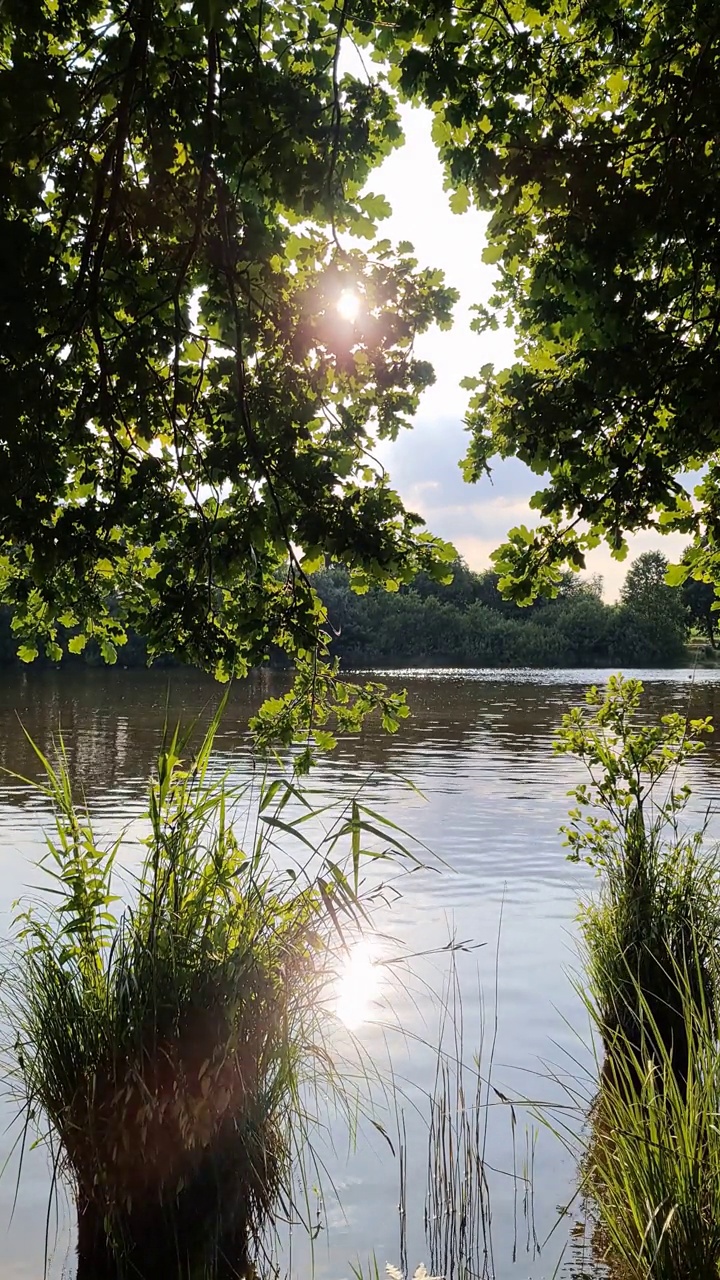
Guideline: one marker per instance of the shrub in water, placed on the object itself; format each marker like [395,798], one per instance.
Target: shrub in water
[658,909]
[166,1045]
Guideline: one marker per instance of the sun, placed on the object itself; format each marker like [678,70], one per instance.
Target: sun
[348,305]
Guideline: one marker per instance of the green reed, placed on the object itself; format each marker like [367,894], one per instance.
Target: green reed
[650,941]
[653,1161]
[657,914]
[457,1202]
[167,1050]
[456,1220]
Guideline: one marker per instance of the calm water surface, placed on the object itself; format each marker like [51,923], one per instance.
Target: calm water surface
[479,749]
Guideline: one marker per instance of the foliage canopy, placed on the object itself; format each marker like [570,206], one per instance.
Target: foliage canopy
[589,129]
[188,419]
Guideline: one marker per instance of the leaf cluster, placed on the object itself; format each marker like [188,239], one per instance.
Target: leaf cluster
[187,414]
[589,132]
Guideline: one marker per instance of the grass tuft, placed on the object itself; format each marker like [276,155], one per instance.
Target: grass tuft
[165,1049]
[653,1163]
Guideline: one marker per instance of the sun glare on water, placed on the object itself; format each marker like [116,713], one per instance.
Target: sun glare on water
[348,305]
[358,986]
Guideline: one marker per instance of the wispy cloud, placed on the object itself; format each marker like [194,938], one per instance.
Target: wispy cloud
[424,467]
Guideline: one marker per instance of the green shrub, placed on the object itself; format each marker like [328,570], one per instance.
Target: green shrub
[162,1050]
[658,908]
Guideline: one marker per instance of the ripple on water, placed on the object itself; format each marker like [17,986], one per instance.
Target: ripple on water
[479,748]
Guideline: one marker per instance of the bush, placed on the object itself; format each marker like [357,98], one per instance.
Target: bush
[165,1048]
[658,909]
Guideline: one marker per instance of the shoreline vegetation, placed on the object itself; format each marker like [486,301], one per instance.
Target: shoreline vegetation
[467,623]
[172,1050]
[189,1024]
[649,947]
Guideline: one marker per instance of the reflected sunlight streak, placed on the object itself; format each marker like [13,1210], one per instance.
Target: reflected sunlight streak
[358,986]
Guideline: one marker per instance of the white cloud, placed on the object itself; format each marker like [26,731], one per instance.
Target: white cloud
[476,518]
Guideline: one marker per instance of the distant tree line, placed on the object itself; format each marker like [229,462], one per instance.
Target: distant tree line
[467,623]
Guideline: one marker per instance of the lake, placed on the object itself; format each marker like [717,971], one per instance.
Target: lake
[478,747]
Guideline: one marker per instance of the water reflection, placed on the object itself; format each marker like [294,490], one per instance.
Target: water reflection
[358,985]
[479,748]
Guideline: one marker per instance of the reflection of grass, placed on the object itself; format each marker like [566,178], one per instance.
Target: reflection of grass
[166,1051]
[657,914]
[653,1163]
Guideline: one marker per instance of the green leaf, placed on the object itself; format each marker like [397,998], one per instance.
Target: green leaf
[376,206]
[676,574]
[460,200]
[108,652]
[493,253]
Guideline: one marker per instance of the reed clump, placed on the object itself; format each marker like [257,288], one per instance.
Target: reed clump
[653,1161]
[164,1048]
[657,911]
[651,945]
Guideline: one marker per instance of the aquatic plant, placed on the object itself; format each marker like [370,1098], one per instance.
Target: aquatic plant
[457,1213]
[653,1161]
[166,1048]
[657,912]
[461,1156]
[650,942]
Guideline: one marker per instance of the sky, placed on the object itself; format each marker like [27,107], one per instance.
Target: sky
[423,463]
